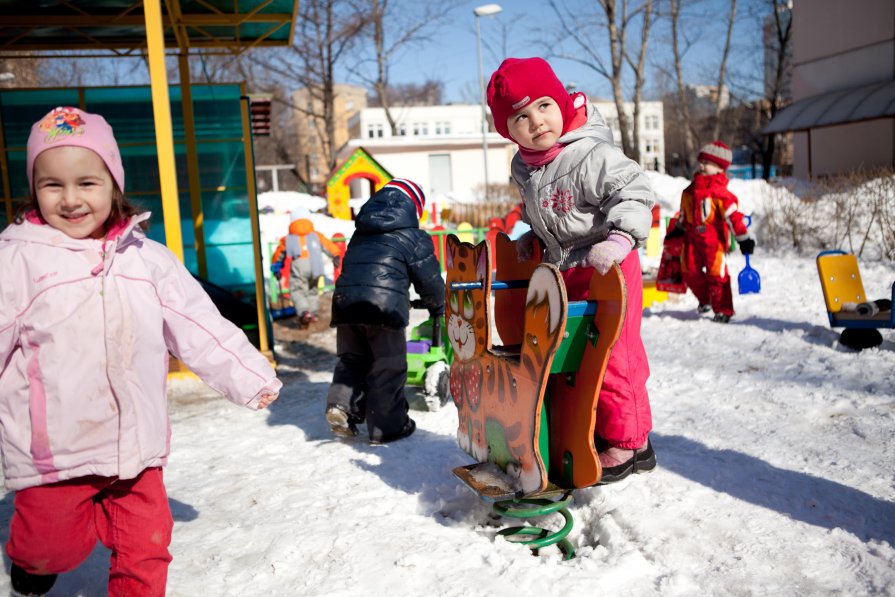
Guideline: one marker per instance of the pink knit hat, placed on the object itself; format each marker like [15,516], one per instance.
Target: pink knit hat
[717,153]
[519,81]
[67,126]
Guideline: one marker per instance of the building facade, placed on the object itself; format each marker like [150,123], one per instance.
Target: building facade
[843,87]
[314,167]
[441,147]
[652,130]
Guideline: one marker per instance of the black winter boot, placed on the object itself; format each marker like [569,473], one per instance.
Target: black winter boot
[30,585]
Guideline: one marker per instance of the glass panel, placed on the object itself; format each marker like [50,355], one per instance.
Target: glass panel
[18,178]
[127,109]
[21,109]
[229,249]
[221,165]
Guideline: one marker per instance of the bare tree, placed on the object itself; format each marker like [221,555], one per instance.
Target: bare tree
[615,20]
[325,32]
[429,93]
[685,123]
[775,91]
[716,127]
[18,72]
[638,68]
[409,23]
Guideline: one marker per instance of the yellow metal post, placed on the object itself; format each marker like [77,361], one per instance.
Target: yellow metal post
[192,162]
[164,132]
[260,298]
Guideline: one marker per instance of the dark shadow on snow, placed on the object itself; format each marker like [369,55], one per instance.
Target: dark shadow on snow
[814,500]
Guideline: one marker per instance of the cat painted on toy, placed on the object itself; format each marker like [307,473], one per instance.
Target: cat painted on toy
[499,396]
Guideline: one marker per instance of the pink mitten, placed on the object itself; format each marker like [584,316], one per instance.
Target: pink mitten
[612,250]
[525,246]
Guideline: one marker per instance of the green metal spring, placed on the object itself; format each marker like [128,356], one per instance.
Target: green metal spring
[532,507]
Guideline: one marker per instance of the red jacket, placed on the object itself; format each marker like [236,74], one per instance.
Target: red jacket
[708,209]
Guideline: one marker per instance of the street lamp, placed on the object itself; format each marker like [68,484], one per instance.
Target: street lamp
[486,10]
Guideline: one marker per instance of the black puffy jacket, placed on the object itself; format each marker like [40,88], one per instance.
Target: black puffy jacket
[387,253]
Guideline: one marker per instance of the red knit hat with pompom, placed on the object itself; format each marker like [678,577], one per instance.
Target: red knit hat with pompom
[717,153]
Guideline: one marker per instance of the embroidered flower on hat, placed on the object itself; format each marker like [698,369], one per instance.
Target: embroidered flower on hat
[61,121]
[70,126]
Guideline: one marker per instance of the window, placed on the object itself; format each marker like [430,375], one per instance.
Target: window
[439,174]
[375,130]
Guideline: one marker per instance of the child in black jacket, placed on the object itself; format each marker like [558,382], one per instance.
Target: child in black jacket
[387,253]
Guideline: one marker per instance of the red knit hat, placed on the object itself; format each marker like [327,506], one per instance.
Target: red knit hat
[519,81]
[717,153]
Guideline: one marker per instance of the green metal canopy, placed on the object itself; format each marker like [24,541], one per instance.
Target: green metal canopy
[117,26]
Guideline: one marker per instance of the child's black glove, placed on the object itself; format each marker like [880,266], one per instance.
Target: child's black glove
[675,232]
[747,245]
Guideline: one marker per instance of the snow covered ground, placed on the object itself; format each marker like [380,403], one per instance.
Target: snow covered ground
[775,448]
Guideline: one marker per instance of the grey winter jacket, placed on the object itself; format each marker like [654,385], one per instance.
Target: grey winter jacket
[589,189]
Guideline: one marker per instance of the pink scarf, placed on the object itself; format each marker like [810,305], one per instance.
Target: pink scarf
[539,158]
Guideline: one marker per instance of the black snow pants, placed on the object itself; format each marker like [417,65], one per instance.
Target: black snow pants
[370,376]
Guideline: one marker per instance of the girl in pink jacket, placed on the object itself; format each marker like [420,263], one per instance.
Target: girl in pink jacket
[89,311]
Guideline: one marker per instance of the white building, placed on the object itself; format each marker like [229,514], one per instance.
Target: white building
[441,147]
[652,130]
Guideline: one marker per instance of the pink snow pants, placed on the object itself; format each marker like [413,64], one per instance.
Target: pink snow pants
[55,527]
[623,411]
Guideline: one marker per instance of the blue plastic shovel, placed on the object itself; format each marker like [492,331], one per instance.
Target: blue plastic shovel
[749,282]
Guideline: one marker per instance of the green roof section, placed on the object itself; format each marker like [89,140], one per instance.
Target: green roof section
[119,25]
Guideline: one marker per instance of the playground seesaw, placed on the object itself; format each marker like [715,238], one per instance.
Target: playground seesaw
[527,406]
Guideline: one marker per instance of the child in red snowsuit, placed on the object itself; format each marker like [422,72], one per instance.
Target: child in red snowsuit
[708,213]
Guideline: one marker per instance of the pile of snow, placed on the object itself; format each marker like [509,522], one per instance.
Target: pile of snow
[775,447]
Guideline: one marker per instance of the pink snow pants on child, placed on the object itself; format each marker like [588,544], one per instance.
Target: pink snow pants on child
[623,411]
[55,527]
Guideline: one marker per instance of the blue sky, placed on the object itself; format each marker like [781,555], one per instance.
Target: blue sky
[524,27]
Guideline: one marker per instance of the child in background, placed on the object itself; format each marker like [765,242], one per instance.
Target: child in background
[305,248]
[387,253]
[708,213]
[89,310]
[589,206]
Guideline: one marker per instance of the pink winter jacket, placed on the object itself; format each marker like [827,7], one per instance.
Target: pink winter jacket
[84,343]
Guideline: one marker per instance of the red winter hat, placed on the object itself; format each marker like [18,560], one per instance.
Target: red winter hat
[717,153]
[519,81]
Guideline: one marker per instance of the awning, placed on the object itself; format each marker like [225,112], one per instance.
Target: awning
[836,107]
[118,26]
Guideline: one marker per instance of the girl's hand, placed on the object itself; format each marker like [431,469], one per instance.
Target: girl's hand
[266,400]
[612,250]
